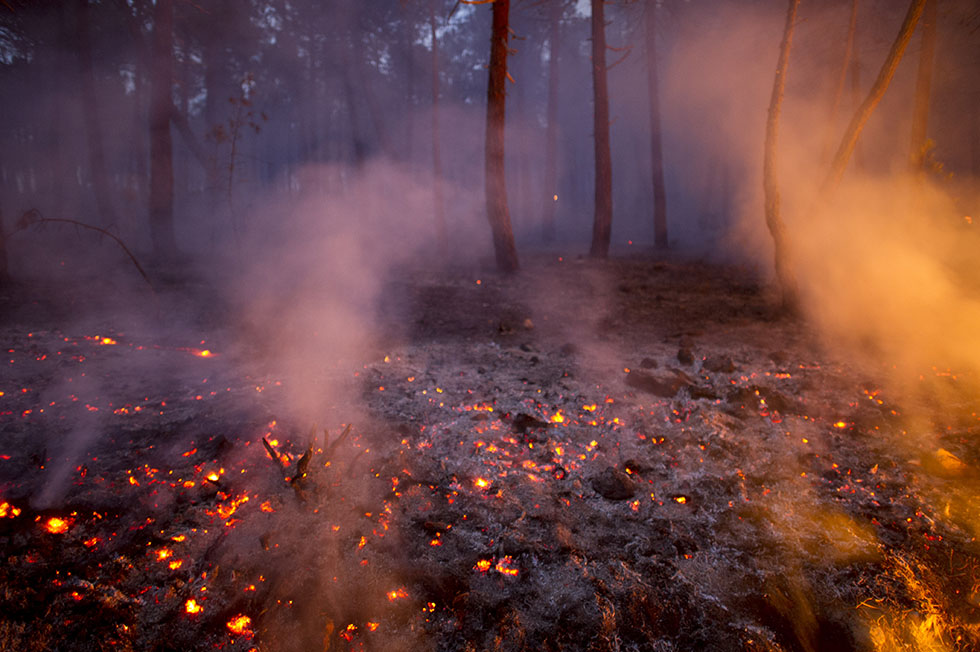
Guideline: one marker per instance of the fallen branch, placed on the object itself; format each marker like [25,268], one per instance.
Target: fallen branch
[33,217]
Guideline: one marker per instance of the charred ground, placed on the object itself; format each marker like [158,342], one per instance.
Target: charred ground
[616,455]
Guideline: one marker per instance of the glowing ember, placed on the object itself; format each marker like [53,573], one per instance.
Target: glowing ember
[107,341]
[506,566]
[680,500]
[164,553]
[56,525]
[203,354]
[397,594]
[840,424]
[177,563]
[192,607]
[483,565]
[557,417]
[241,625]
[267,507]
[8,511]
[372,626]
[482,483]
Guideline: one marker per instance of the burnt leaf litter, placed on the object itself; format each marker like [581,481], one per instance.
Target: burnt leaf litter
[588,455]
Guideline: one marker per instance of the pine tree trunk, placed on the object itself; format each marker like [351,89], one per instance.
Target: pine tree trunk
[438,205]
[4,268]
[656,136]
[849,141]
[770,182]
[923,89]
[496,186]
[161,209]
[550,199]
[602,224]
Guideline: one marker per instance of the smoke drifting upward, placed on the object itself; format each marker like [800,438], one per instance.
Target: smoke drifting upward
[315,268]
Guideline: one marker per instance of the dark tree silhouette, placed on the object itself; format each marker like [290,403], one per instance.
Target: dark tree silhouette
[550,207]
[161,209]
[438,205]
[496,186]
[923,89]
[602,224]
[656,136]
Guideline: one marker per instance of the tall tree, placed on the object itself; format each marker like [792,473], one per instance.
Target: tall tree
[496,186]
[161,209]
[841,79]
[656,136]
[439,209]
[863,113]
[770,182]
[550,198]
[602,224]
[923,89]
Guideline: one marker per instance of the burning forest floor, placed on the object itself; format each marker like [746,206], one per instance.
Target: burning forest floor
[621,455]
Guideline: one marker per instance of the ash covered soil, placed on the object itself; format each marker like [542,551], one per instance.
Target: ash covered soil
[588,455]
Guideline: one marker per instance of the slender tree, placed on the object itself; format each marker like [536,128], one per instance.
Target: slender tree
[496,186]
[438,205]
[770,182]
[602,224]
[842,78]
[923,89]
[861,116]
[550,199]
[656,136]
[161,209]
[4,269]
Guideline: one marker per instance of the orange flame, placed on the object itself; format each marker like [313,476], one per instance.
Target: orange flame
[56,525]
[241,625]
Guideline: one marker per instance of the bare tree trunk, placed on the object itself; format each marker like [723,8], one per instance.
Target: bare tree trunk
[438,205]
[839,91]
[656,136]
[161,209]
[602,224]
[4,268]
[93,125]
[923,89]
[770,183]
[877,91]
[550,207]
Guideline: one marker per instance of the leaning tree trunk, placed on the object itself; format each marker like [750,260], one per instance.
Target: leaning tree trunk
[550,207]
[496,186]
[656,136]
[439,208]
[90,108]
[770,184]
[923,90]
[161,202]
[839,91]
[861,116]
[602,225]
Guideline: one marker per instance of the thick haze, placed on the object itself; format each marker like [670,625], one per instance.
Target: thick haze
[308,173]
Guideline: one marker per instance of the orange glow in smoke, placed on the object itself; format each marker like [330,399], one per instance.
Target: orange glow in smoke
[397,594]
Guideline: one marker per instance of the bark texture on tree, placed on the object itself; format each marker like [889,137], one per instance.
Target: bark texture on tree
[496,186]
[438,203]
[923,89]
[656,135]
[770,181]
[161,209]
[602,224]
[550,199]
[861,116]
